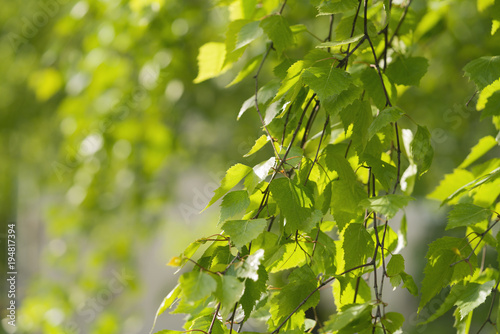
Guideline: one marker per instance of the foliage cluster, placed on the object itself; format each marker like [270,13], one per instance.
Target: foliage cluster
[320,210]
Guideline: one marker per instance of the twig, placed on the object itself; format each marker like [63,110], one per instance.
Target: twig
[213,319]
[488,319]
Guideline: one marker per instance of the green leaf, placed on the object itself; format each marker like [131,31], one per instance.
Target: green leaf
[375,90]
[259,143]
[384,118]
[346,196]
[451,183]
[248,69]
[167,302]
[326,80]
[242,232]
[233,203]
[387,205]
[233,176]
[358,245]
[210,61]
[253,291]
[301,283]
[323,261]
[335,161]
[484,145]
[442,268]
[294,202]
[278,30]
[421,150]
[487,178]
[248,33]
[492,107]
[334,104]
[466,215]
[228,292]
[359,114]
[197,285]
[383,171]
[351,316]
[393,321]
[474,295]
[330,7]
[483,71]
[409,283]
[407,71]
[448,303]
[486,93]
[288,256]
[179,261]
[396,265]
[339,43]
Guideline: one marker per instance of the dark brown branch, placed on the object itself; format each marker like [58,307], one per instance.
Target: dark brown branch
[217,309]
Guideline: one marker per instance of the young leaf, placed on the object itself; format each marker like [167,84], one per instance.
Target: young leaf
[278,30]
[393,321]
[396,265]
[358,315]
[294,202]
[407,71]
[301,283]
[358,245]
[326,80]
[228,292]
[443,268]
[421,150]
[473,295]
[242,232]
[483,71]
[233,176]
[387,205]
[248,33]
[167,302]
[448,303]
[253,291]
[484,145]
[259,143]
[339,43]
[210,61]
[248,69]
[233,203]
[385,117]
[359,113]
[466,215]
[330,7]
[451,183]
[409,283]
[346,196]
[197,285]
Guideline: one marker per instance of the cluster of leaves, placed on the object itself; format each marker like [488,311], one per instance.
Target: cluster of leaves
[472,189]
[316,213]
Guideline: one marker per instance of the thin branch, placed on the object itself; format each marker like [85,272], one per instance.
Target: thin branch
[466,259]
[302,303]
[214,318]
[231,321]
[398,151]
[319,146]
[488,319]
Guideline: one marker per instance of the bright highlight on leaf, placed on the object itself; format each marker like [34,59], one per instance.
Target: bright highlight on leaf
[210,61]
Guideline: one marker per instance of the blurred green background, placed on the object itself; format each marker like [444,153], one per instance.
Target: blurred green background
[109,151]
